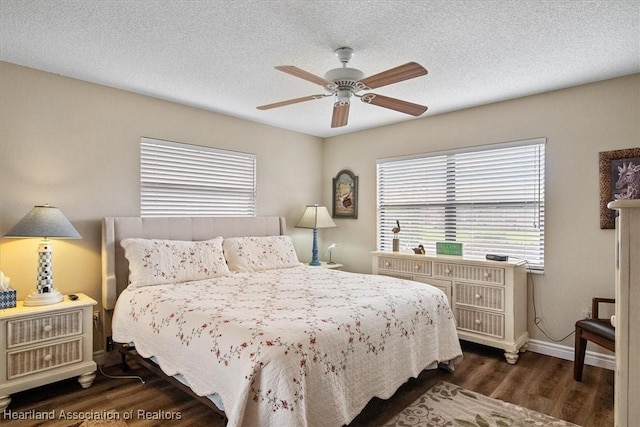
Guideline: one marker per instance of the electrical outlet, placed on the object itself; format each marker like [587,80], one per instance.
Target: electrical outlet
[96,316]
[587,313]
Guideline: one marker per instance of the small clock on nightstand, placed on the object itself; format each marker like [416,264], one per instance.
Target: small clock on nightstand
[44,344]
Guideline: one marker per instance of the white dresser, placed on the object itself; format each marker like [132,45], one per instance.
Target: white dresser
[488,298]
[40,345]
[627,320]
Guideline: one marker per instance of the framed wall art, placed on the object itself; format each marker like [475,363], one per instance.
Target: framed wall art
[345,195]
[619,179]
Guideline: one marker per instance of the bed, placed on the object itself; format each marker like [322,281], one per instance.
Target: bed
[224,306]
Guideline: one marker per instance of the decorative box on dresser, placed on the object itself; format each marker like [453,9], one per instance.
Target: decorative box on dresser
[627,318]
[44,344]
[488,298]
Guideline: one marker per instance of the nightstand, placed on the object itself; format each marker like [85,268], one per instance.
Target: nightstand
[45,344]
[335,265]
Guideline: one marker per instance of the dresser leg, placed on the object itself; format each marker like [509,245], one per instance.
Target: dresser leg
[4,402]
[511,356]
[86,380]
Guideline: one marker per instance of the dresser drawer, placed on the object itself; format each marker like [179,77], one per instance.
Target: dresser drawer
[470,272]
[443,285]
[490,297]
[396,275]
[480,322]
[411,266]
[31,330]
[29,361]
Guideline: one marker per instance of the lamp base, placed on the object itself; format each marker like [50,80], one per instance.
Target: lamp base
[36,299]
[314,250]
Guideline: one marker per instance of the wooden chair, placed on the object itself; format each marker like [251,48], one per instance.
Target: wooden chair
[599,331]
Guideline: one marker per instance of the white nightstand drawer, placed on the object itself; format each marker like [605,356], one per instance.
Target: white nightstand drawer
[31,330]
[470,272]
[480,296]
[29,361]
[405,265]
[480,322]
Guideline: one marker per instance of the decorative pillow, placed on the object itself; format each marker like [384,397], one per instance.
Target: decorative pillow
[155,262]
[247,254]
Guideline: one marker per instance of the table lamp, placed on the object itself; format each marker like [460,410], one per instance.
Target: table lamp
[315,217]
[330,252]
[44,222]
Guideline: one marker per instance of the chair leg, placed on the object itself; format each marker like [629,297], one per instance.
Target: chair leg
[579,352]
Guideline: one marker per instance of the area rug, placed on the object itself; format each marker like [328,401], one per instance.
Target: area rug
[443,405]
[448,405]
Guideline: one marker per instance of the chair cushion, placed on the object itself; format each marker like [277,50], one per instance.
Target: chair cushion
[600,327]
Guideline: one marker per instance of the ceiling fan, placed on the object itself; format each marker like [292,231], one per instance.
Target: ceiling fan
[343,83]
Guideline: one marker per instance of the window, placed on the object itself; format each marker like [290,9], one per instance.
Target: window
[188,180]
[489,198]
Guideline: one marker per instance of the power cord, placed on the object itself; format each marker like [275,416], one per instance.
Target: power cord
[96,325]
[537,320]
[121,376]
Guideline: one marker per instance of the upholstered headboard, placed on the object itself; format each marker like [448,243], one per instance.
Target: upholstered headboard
[115,268]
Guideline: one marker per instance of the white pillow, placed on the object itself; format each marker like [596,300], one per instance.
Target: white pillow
[155,262]
[247,254]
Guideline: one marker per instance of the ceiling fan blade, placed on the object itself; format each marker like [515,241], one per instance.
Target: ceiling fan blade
[290,101]
[340,115]
[300,73]
[394,75]
[393,104]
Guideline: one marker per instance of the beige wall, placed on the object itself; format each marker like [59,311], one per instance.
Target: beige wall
[578,123]
[75,145]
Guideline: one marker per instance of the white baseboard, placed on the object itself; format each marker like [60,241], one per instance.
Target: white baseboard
[564,352]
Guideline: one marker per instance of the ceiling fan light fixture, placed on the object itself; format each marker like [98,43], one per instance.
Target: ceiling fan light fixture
[343,96]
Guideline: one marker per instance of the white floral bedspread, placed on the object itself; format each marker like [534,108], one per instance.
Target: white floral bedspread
[302,346]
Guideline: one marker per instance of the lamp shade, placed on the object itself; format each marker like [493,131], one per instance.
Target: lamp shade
[44,221]
[315,216]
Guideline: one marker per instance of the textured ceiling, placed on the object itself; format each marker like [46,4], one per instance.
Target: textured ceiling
[219,55]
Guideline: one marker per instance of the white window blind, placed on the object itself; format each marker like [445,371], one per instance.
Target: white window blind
[490,198]
[188,180]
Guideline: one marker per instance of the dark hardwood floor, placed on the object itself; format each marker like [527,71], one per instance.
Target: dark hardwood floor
[538,382]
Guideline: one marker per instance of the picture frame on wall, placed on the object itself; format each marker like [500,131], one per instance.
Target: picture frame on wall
[619,179]
[345,195]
